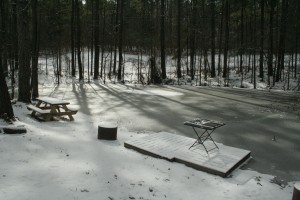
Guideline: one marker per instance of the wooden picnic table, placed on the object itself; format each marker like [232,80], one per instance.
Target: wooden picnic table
[49,107]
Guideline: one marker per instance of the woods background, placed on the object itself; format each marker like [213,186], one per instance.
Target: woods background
[260,37]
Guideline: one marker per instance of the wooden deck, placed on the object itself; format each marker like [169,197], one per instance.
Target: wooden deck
[175,148]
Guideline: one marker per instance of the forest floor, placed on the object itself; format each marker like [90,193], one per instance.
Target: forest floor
[64,160]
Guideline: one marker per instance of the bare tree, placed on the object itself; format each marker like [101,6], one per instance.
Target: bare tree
[226,46]
[213,37]
[271,45]
[5,104]
[24,51]
[193,38]
[162,39]
[35,50]
[73,38]
[282,37]
[78,34]
[96,40]
[121,20]
[179,75]
[262,38]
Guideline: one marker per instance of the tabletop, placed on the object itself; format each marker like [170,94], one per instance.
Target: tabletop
[52,101]
[204,124]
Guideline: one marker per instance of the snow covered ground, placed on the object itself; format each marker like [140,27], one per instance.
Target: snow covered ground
[64,160]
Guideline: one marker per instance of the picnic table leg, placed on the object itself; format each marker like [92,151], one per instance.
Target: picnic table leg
[71,117]
[33,113]
[70,114]
[37,105]
[47,117]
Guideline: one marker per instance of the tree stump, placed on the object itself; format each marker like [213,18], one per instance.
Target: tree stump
[14,130]
[296,193]
[107,131]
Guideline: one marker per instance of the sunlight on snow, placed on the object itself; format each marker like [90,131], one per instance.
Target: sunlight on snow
[155,92]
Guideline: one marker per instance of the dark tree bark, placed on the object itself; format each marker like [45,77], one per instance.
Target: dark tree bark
[254,11]
[226,46]
[35,50]
[262,38]
[5,104]
[73,38]
[220,38]
[15,37]
[103,40]
[179,75]
[116,30]
[282,36]
[162,39]
[242,37]
[297,32]
[14,47]
[78,34]
[193,38]
[121,20]
[96,40]
[24,51]
[4,28]
[242,48]
[271,50]
[213,37]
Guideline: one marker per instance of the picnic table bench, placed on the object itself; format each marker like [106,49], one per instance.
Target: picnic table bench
[48,107]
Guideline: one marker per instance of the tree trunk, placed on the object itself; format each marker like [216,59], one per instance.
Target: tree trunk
[73,38]
[262,37]
[193,38]
[103,39]
[281,46]
[116,30]
[78,34]
[4,28]
[225,67]
[24,51]
[297,32]
[121,40]
[242,37]
[5,104]
[162,40]
[213,37]
[270,54]
[35,51]
[242,48]
[254,11]
[220,38]
[96,40]
[179,75]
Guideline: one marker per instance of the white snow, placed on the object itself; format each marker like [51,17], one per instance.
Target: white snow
[64,160]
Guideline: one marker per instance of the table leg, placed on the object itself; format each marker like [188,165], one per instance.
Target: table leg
[70,114]
[206,135]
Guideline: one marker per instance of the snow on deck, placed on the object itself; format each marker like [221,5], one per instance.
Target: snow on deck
[173,147]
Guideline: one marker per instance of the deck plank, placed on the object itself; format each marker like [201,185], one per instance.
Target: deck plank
[174,147]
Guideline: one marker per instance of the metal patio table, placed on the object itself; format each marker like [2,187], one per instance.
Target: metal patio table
[208,127]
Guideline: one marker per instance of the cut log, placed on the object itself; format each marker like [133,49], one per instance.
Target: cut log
[296,194]
[14,130]
[107,131]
